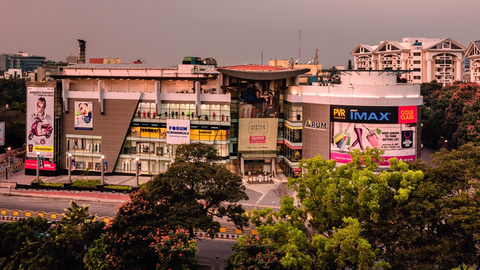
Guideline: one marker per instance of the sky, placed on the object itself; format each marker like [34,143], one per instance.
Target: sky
[234,32]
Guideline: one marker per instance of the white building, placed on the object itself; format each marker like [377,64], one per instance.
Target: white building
[428,59]
[473,53]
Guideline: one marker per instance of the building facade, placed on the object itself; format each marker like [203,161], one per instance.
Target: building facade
[428,59]
[473,54]
[22,60]
[259,118]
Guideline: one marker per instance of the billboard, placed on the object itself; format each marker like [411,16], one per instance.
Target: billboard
[257,134]
[392,129]
[83,115]
[2,133]
[178,131]
[40,105]
[44,165]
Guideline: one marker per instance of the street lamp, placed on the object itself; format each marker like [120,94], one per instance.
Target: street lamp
[38,167]
[69,168]
[137,170]
[102,170]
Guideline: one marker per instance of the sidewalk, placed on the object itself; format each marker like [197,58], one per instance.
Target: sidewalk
[259,193]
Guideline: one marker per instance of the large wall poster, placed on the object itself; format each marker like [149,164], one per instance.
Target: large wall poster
[2,133]
[83,115]
[40,103]
[391,129]
[257,134]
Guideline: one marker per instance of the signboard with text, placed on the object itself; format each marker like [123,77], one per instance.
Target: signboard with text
[40,126]
[257,134]
[178,131]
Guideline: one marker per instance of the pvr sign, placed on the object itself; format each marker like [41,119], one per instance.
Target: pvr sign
[387,115]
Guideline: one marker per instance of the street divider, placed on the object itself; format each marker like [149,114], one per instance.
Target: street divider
[14,214]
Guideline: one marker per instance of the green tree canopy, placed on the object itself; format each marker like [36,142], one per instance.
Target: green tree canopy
[322,227]
[188,195]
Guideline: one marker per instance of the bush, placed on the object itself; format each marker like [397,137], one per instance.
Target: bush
[87,183]
[118,187]
[48,184]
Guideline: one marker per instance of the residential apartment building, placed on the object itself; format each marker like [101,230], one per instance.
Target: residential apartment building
[473,54]
[427,59]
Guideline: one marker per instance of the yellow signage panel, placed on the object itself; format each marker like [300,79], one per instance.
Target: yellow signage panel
[43,149]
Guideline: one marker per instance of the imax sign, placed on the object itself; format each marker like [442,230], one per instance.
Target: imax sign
[356,114]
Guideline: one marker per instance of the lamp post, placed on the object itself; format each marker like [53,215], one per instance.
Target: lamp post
[69,168]
[136,170]
[102,170]
[38,167]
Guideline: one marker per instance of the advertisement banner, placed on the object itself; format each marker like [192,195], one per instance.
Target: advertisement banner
[374,115]
[83,115]
[257,134]
[2,133]
[178,131]
[44,165]
[40,104]
[397,140]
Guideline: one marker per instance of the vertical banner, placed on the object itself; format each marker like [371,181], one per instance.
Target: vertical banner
[178,131]
[83,115]
[40,105]
[2,133]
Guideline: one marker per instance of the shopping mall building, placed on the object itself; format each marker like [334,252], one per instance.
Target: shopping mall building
[128,111]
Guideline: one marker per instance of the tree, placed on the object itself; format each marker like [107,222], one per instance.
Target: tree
[255,253]
[323,227]
[188,195]
[454,113]
[438,228]
[47,245]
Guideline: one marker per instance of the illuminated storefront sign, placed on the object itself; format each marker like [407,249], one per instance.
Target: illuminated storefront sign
[257,134]
[310,124]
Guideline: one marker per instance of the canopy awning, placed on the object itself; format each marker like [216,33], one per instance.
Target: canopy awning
[256,155]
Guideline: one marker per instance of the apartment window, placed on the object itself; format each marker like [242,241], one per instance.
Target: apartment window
[416,77]
[416,54]
[416,70]
[416,62]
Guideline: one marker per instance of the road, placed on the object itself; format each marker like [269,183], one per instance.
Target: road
[58,205]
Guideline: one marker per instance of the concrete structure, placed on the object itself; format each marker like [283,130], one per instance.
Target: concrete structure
[473,54]
[22,60]
[429,59]
[130,111]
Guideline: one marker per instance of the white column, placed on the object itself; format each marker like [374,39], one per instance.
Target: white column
[429,70]
[458,70]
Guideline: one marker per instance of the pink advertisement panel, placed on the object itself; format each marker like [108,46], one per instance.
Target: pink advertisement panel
[397,140]
[47,166]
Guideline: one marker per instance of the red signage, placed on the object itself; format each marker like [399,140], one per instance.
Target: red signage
[292,147]
[47,166]
[407,114]
[258,139]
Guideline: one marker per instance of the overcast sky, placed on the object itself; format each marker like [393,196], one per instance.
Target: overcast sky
[232,31]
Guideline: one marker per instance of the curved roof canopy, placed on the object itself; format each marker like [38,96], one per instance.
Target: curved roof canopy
[259,72]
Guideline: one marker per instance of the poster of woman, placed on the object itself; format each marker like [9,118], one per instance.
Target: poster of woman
[83,115]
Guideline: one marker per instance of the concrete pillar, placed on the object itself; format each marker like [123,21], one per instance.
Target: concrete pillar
[429,71]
